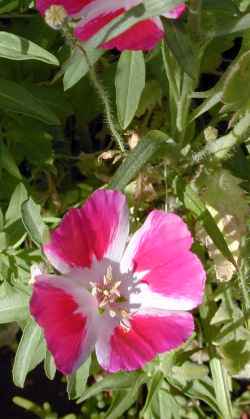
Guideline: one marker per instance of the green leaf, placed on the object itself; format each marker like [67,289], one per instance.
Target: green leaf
[212,100]
[197,389]
[124,400]
[76,382]
[49,366]
[137,158]
[7,162]
[129,83]
[164,404]
[236,90]
[193,202]
[15,47]
[221,388]
[118,381]
[27,352]
[77,66]
[13,304]
[152,389]
[231,26]
[18,197]
[181,46]
[33,222]
[15,98]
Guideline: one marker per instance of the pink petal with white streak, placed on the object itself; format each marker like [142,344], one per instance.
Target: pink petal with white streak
[160,240]
[176,285]
[99,229]
[87,29]
[150,334]
[68,316]
[142,36]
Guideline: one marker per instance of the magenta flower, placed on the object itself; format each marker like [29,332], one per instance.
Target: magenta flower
[129,303]
[93,15]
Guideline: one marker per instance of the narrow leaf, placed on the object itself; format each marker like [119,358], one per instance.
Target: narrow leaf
[76,383]
[137,158]
[33,222]
[27,349]
[129,83]
[49,366]
[15,47]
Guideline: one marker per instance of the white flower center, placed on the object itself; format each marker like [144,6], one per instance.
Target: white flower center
[108,295]
[55,16]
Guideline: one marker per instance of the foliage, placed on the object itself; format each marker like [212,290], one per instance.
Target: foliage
[171,129]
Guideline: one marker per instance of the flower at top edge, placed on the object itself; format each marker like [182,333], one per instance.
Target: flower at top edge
[93,15]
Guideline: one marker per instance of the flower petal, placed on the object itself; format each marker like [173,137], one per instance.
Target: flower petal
[142,36]
[170,276]
[89,27]
[162,238]
[176,285]
[149,335]
[176,12]
[71,6]
[99,229]
[68,316]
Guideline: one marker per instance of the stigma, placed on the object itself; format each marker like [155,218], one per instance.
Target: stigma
[55,16]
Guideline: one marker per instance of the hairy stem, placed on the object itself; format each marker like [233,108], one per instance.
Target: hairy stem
[223,145]
[105,100]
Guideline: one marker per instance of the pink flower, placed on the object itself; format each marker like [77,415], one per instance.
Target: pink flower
[129,303]
[93,15]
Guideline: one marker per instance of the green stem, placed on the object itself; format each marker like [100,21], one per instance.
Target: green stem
[194,18]
[183,106]
[169,73]
[221,388]
[173,91]
[245,295]
[105,100]
[223,145]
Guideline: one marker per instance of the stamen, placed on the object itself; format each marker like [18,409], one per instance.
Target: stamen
[108,295]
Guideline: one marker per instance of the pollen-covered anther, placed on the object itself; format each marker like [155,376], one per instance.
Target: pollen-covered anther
[107,292]
[55,16]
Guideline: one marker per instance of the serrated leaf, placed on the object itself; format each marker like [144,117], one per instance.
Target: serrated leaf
[129,83]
